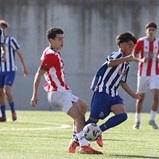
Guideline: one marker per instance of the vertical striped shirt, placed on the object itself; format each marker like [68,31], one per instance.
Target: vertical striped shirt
[54,66]
[11,47]
[107,79]
[149,50]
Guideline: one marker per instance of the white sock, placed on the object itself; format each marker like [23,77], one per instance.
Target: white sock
[153,115]
[138,117]
[82,140]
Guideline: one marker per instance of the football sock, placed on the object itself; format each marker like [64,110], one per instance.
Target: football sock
[3,111]
[89,121]
[153,115]
[113,121]
[12,107]
[82,140]
[138,117]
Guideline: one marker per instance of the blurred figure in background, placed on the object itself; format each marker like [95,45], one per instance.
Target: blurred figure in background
[146,52]
[8,71]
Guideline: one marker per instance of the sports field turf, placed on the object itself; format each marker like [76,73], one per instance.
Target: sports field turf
[46,134]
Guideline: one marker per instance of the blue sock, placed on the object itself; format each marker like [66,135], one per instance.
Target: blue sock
[114,121]
[3,111]
[12,107]
[89,121]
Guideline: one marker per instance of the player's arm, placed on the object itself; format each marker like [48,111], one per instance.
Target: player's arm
[115,62]
[129,91]
[40,72]
[24,69]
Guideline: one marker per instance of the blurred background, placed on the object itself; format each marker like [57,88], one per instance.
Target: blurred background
[90,28]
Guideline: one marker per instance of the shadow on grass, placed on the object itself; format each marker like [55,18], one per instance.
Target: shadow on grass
[135,156]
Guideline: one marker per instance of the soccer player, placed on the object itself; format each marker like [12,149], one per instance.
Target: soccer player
[8,70]
[59,94]
[146,52]
[112,74]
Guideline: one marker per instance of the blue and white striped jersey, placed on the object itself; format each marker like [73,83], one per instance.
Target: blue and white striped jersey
[107,79]
[1,36]
[11,47]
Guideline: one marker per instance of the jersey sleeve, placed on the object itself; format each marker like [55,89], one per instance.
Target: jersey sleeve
[1,36]
[137,47]
[48,61]
[14,44]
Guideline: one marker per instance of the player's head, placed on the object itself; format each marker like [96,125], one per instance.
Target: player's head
[151,25]
[125,37]
[126,42]
[150,29]
[56,38]
[4,25]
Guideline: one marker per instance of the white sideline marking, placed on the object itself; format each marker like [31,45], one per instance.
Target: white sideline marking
[58,126]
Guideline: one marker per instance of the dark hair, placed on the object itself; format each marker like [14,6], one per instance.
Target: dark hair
[125,37]
[52,32]
[151,24]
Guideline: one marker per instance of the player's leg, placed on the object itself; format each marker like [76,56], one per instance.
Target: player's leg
[139,106]
[8,91]
[83,106]
[2,101]
[99,110]
[3,106]
[154,87]
[79,119]
[142,87]
[119,117]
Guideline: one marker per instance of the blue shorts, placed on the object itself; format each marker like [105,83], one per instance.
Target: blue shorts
[101,104]
[7,78]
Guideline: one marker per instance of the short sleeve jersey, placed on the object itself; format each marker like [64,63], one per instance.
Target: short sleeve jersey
[54,66]
[150,50]
[107,79]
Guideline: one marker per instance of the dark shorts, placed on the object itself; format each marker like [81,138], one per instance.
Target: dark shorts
[7,78]
[101,104]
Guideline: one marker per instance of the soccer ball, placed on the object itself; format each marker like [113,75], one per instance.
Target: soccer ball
[91,132]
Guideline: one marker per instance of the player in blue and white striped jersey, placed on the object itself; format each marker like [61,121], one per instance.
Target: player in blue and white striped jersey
[7,71]
[112,74]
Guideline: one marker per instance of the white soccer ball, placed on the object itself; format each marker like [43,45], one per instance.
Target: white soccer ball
[92,132]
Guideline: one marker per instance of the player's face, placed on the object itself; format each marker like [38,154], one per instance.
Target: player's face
[58,42]
[127,47]
[150,32]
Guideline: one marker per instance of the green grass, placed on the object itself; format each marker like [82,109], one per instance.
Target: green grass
[46,134]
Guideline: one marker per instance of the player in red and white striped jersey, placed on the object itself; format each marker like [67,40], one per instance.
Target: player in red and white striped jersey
[146,52]
[59,94]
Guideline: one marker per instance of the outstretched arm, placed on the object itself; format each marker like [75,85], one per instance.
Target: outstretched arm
[115,62]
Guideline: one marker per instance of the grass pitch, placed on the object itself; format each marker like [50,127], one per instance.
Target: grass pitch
[46,134]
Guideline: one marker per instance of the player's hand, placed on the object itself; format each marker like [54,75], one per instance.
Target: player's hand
[138,96]
[34,101]
[144,60]
[25,72]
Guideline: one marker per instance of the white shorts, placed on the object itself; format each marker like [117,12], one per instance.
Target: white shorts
[62,99]
[145,84]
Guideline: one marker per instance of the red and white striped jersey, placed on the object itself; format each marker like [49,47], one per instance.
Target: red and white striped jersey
[54,66]
[149,50]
